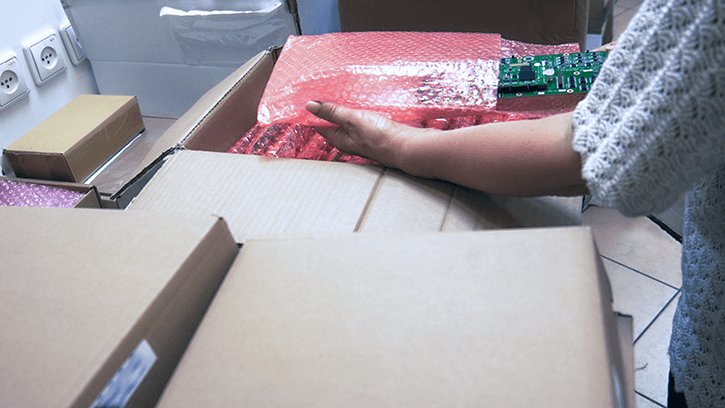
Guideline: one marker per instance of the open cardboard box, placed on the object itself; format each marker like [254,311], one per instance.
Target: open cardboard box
[262,195]
[91,198]
[513,318]
[81,306]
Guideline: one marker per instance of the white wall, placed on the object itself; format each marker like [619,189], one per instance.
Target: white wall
[26,20]
[21,22]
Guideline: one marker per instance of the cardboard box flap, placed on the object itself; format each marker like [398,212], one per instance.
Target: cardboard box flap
[229,110]
[189,123]
[78,300]
[493,318]
[260,195]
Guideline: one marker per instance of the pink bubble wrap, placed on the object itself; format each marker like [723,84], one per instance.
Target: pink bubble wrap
[34,195]
[407,76]
[440,80]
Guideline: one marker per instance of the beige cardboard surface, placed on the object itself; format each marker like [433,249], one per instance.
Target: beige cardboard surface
[260,195]
[77,139]
[404,203]
[474,210]
[76,300]
[493,318]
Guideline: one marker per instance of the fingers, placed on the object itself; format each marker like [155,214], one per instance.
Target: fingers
[606,47]
[330,112]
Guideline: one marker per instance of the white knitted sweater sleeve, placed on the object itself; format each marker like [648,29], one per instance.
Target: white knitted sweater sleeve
[653,122]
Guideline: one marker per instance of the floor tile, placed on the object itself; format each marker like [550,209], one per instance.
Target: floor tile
[637,243]
[643,402]
[637,295]
[651,360]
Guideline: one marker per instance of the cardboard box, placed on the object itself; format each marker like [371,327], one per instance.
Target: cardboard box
[91,198]
[262,195]
[76,140]
[78,303]
[512,318]
[535,22]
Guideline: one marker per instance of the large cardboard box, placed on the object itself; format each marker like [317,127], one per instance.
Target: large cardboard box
[77,140]
[87,313]
[531,21]
[262,195]
[516,318]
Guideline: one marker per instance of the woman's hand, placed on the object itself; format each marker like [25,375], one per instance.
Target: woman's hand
[519,158]
[363,133]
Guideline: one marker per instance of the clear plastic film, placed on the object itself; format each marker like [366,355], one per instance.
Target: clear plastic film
[226,33]
[17,194]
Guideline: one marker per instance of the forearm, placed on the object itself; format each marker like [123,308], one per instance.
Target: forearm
[519,158]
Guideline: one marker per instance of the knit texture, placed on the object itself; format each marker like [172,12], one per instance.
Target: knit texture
[653,128]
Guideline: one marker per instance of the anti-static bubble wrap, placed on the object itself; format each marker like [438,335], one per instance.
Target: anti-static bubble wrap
[33,195]
[438,80]
[407,76]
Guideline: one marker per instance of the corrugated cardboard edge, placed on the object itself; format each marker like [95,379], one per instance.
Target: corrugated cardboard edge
[626,344]
[91,199]
[175,137]
[163,325]
[614,350]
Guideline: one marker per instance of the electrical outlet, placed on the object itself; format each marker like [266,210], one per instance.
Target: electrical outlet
[72,44]
[45,59]
[12,86]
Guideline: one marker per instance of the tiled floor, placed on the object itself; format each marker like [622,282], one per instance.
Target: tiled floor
[643,264]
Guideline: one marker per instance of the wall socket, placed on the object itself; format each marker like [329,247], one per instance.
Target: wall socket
[45,59]
[12,85]
[72,44]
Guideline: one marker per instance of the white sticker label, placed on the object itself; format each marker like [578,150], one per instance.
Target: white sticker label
[127,379]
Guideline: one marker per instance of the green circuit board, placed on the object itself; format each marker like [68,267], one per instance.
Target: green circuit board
[553,74]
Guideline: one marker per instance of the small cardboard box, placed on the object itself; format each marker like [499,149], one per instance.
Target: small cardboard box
[91,198]
[262,195]
[76,140]
[81,306]
[516,318]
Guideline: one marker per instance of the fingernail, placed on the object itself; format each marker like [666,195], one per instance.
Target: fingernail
[313,107]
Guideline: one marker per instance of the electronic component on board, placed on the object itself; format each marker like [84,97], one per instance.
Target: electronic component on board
[549,74]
